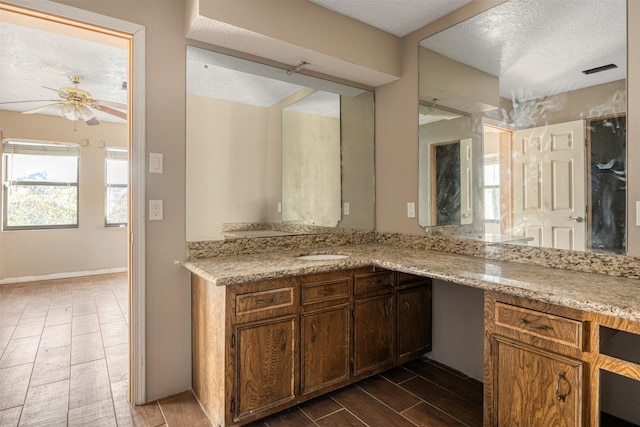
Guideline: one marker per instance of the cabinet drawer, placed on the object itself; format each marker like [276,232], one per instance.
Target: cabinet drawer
[264,300]
[372,282]
[325,291]
[543,325]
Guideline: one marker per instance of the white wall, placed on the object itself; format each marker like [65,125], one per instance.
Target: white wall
[91,247]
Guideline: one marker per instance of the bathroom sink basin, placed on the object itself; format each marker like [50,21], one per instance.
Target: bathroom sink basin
[322,257]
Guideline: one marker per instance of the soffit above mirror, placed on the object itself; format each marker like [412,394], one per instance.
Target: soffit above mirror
[560,42]
[331,43]
[218,76]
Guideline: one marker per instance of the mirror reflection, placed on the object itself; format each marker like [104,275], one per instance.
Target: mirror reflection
[273,152]
[547,101]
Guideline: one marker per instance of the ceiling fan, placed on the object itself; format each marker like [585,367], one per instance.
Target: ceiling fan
[77,104]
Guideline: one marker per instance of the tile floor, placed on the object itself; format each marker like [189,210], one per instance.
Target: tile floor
[64,352]
[64,362]
[419,393]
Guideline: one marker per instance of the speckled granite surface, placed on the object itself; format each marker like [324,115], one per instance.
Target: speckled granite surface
[216,248]
[609,295]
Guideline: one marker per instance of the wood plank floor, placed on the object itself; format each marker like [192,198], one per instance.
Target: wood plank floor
[64,362]
[64,358]
[419,393]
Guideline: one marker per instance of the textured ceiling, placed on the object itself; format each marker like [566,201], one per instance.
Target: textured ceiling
[512,41]
[540,47]
[33,58]
[398,17]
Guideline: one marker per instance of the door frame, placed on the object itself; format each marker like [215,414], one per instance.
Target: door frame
[136,144]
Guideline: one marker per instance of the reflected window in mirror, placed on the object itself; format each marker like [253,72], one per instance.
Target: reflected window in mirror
[538,90]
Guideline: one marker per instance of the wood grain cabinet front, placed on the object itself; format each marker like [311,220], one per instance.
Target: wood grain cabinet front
[264,346]
[265,365]
[414,317]
[534,375]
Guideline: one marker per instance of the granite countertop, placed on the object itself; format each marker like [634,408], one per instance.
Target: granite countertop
[614,296]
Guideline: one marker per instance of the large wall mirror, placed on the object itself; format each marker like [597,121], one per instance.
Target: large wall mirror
[274,152]
[531,96]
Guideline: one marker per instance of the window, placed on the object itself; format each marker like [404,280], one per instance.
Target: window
[116,194]
[491,188]
[40,184]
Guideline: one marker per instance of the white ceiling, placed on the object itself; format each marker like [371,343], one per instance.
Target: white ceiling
[398,17]
[540,47]
[32,58]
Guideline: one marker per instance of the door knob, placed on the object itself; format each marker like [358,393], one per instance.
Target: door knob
[576,218]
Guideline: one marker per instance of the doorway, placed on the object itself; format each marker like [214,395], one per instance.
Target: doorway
[73,20]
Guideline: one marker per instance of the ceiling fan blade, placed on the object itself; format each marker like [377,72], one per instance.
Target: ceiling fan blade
[62,94]
[117,105]
[34,100]
[44,107]
[92,121]
[113,112]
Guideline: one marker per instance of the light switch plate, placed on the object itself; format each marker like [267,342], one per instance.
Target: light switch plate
[411,210]
[155,162]
[346,208]
[637,213]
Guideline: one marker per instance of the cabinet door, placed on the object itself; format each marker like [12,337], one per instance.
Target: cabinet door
[534,387]
[325,347]
[373,333]
[264,365]
[414,322]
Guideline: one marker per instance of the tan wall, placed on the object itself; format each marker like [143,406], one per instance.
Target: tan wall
[397,131]
[305,24]
[456,85]
[594,101]
[91,246]
[168,293]
[226,153]
[358,161]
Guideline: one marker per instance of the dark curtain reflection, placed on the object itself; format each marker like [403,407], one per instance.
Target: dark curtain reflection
[448,184]
[608,185]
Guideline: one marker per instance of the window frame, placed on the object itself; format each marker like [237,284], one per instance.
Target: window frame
[53,147]
[491,160]
[107,185]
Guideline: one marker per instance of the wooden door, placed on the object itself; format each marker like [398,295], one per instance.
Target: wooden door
[413,323]
[264,365]
[373,333]
[325,347]
[549,185]
[534,387]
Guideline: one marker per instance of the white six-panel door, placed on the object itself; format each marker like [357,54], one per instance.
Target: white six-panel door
[549,185]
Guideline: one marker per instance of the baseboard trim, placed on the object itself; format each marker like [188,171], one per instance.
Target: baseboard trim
[66,275]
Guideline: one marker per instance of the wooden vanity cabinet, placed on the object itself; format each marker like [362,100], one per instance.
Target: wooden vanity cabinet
[374,322]
[262,347]
[325,332]
[534,372]
[413,317]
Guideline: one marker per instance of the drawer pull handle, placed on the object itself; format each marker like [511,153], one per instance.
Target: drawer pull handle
[525,322]
[385,319]
[407,307]
[315,331]
[559,396]
[271,301]
[328,291]
[377,282]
